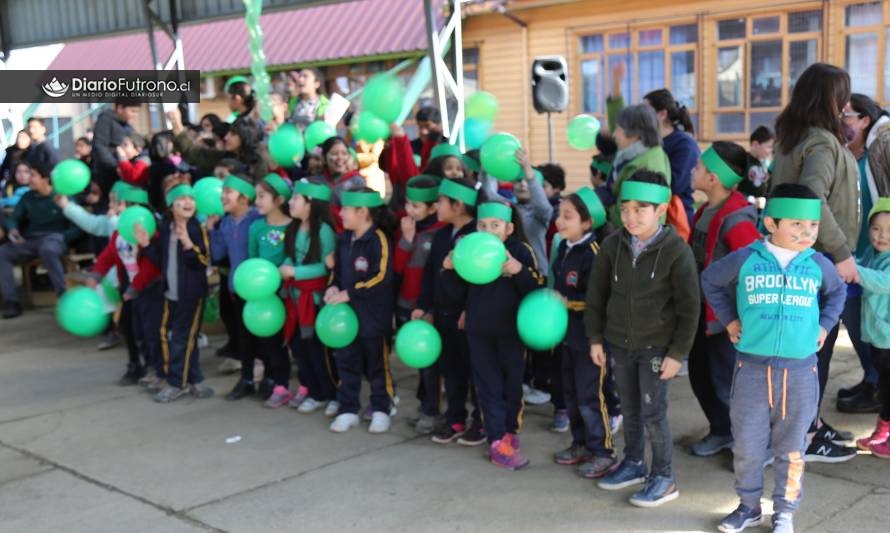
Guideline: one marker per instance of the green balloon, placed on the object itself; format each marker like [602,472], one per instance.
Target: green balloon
[418,344]
[582,131]
[70,177]
[256,279]
[81,312]
[317,133]
[112,295]
[208,196]
[481,105]
[542,319]
[286,145]
[383,95]
[336,325]
[135,214]
[371,128]
[498,156]
[479,257]
[264,317]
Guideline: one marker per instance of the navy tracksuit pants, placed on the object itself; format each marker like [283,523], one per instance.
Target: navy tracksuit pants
[147,309]
[498,365]
[584,385]
[456,370]
[711,366]
[368,356]
[182,321]
[315,372]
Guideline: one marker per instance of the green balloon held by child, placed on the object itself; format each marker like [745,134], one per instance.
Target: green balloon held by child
[256,279]
[371,128]
[418,344]
[286,145]
[264,317]
[383,95]
[133,216]
[336,325]
[81,312]
[498,156]
[70,177]
[317,133]
[208,196]
[542,319]
[479,258]
[582,132]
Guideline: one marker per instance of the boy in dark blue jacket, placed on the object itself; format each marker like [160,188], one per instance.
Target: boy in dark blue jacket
[363,277]
[183,253]
[778,299]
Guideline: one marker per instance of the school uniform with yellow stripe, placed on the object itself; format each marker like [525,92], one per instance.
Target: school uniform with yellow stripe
[584,383]
[363,268]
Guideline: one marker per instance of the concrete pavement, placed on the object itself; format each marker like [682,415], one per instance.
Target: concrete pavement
[78,453]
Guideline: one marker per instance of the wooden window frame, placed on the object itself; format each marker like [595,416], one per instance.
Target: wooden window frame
[882,97]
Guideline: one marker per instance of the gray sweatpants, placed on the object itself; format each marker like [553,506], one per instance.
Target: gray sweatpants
[50,248]
[773,402]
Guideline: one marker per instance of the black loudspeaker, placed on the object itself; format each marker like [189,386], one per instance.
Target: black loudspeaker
[550,88]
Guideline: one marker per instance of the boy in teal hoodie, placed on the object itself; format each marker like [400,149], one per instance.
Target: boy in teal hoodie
[778,299]
[874,271]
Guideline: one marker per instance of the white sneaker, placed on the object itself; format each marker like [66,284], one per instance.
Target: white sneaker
[615,423]
[344,422]
[379,422]
[203,341]
[309,405]
[229,366]
[331,409]
[534,396]
[259,371]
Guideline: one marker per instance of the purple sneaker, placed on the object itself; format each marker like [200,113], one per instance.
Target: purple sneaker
[280,396]
[506,454]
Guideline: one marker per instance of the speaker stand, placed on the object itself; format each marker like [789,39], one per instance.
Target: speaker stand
[550,137]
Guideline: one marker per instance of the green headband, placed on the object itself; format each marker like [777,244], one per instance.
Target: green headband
[593,204]
[882,205]
[717,166]
[233,80]
[644,192]
[794,208]
[237,184]
[422,194]
[456,191]
[279,185]
[133,195]
[470,163]
[445,149]
[603,166]
[315,191]
[120,186]
[361,199]
[178,192]
[495,210]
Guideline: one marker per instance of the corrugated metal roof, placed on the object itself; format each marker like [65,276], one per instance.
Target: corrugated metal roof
[313,34]
[32,22]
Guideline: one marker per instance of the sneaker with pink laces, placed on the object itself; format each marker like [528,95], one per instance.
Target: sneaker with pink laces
[280,396]
[506,454]
[878,436]
[297,399]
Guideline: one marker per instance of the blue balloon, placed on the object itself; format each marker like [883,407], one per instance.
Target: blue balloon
[476,130]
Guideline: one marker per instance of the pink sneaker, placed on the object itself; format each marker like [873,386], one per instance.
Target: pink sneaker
[879,436]
[280,396]
[881,449]
[297,399]
[506,454]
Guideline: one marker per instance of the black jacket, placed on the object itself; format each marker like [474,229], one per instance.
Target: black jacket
[42,154]
[491,308]
[363,268]
[651,301]
[191,264]
[434,298]
[570,274]
[108,134]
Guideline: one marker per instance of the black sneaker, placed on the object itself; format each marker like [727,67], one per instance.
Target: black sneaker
[226,350]
[242,389]
[265,389]
[824,451]
[864,401]
[851,391]
[448,433]
[473,436]
[828,433]
[132,376]
[12,309]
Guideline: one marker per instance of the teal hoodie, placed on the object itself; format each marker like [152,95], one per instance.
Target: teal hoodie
[874,271]
[781,311]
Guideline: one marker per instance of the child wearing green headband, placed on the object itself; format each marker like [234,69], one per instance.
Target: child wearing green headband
[874,272]
[182,251]
[642,306]
[363,277]
[497,356]
[309,240]
[418,227]
[724,224]
[778,299]
[229,241]
[266,240]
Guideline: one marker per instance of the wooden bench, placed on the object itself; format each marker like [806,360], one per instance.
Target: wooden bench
[33,298]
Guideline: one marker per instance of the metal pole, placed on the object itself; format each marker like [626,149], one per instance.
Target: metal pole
[550,136]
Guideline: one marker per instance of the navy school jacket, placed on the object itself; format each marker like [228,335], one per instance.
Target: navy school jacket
[570,273]
[363,268]
[491,308]
[191,264]
[437,296]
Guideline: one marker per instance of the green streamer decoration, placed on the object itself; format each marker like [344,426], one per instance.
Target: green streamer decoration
[261,80]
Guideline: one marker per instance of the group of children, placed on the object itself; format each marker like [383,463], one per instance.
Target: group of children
[634,311]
